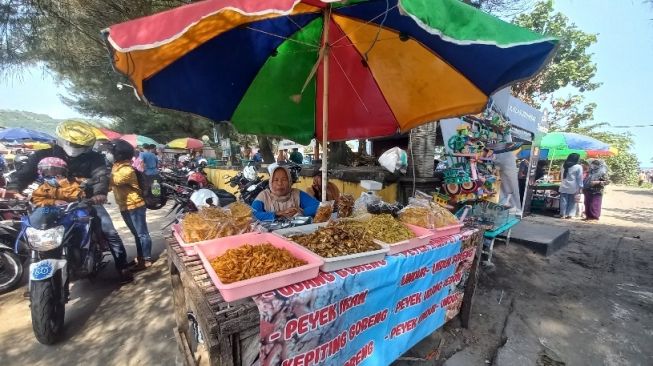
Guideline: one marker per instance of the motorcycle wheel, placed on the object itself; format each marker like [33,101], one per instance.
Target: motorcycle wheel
[11,271]
[48,309]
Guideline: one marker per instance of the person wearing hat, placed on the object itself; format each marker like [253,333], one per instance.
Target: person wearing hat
[75,142]
[280,200]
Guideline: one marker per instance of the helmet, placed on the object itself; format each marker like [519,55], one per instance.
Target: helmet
[75,137]
[203,162]
[52,167]
[204,198]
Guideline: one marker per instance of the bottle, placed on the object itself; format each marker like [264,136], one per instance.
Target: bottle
[156,188]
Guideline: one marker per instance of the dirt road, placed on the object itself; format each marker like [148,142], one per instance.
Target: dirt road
[590,303]
[106,324]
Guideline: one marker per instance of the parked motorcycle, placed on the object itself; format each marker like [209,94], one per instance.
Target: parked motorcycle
[13,254]
[66,243]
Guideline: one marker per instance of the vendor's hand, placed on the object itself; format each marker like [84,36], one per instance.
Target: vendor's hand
[288,213]
[99,199]
[14,195]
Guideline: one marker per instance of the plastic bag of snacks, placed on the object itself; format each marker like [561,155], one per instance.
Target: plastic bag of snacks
[216,222]
[324,211]
[382,207]
[345,205]
[366,198]
[427,214]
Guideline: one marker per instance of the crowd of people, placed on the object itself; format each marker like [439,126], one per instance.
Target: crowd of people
[645,176]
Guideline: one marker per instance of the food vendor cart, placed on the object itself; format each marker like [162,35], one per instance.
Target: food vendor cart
[315,316]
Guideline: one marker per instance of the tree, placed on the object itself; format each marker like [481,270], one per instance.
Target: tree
[572,65]
[64,37]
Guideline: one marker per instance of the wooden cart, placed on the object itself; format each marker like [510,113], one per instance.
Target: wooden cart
[210,331]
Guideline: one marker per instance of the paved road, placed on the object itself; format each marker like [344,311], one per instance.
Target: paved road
[106,324]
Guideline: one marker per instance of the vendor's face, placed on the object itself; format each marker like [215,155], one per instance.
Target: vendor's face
[280,184]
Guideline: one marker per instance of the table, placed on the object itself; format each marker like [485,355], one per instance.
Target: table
[542,201]
[210,331]
[492,235]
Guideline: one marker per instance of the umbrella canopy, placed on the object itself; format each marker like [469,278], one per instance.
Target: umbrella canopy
[38,145]
[138,140]
[109,134]
[24,134]
[268,66]
[558,145]
[186,143]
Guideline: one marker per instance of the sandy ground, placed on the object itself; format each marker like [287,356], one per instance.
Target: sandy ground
[106,324]
[591,303]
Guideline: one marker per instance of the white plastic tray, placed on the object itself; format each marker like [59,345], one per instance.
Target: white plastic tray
[336,263]
[422,237]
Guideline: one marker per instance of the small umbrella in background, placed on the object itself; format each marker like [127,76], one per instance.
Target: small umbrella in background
[138,140]
[24,134]
[111,135]
[558,145]
[186,143]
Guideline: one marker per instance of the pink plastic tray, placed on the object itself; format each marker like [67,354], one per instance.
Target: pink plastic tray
[446,230]
[422,237]
[189,248]
[258,285]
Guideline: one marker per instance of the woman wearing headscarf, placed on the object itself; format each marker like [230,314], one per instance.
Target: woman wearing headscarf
[595,181]
[570,186]
[281,200]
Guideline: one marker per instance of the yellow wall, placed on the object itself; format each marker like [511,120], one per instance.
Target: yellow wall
[388,194]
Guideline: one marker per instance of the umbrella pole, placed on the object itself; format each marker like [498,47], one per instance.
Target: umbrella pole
[325,102]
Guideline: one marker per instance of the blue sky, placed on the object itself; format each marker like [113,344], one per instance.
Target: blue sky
[624,54]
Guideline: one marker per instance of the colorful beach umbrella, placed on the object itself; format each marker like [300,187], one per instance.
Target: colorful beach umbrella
[186,143]
[109,134]
[558,145]
[24,134]
[288,67]
[138,140]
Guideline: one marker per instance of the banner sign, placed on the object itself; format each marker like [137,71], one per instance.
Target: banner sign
[369,314]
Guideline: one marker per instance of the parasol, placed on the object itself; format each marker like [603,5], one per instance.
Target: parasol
[186,143]
[109,134]
[138,140]
[558,145]
[355,69]
[24,134]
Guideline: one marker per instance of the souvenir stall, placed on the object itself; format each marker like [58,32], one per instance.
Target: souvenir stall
[336,292]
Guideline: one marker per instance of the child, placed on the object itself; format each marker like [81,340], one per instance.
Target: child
[129,198]
[56,188]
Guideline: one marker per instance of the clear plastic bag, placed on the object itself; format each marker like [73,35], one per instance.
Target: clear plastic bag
[324,211]
[366,199]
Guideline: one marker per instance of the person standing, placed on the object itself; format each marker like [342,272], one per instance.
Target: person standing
[281,157]
[570,186]
[642,178]
[150,167]
[522,175]
[296,157]
[131,202]
[593,186]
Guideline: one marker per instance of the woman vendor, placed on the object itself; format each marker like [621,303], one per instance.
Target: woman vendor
[281,200]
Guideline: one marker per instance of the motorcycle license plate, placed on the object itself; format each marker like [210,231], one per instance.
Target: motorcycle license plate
[45,269]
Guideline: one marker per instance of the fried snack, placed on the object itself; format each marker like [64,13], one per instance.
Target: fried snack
[216,222]
[345,205]
[441,216]
[196,228]
[324,212]
[338,239]
[418,216]
[240,210]
[385,228]
[249,261]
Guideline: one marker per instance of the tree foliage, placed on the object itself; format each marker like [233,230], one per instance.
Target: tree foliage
[572,65]
[64,37]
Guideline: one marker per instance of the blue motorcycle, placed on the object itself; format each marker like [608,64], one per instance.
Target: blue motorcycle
[66,243]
